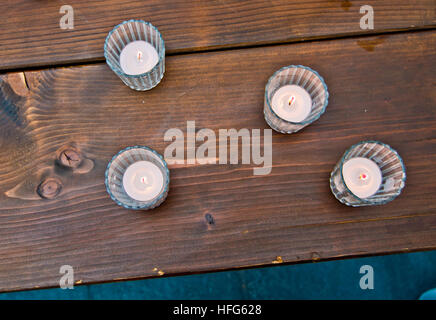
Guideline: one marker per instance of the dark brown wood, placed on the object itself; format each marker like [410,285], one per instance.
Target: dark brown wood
[30,34]
[216,217]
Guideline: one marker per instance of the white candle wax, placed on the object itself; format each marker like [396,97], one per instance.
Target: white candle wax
[143,180]
[292,103]
[138,57]
[362,176]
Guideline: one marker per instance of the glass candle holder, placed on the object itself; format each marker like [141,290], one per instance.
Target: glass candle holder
[295,96]
[369,173]
[135,51]
[137,178]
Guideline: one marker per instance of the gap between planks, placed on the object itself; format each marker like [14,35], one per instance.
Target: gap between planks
[98,60]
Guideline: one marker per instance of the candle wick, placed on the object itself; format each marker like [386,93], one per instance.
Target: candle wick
[139,55]
[291,101]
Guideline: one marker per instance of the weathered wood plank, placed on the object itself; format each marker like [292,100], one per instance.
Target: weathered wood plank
[30,34]
[381,88]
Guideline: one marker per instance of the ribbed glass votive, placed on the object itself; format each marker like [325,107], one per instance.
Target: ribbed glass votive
[369,173]
[295,96]
[135,51]
[138,178]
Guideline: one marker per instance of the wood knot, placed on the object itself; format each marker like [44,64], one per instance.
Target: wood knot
[49,188]
[209,219]
[70,158]
[369,45]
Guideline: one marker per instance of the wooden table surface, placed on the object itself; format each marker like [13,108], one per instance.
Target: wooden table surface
[57,94]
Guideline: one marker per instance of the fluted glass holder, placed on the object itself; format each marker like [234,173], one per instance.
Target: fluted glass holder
[125,33]
[118,166]
[305,78]
[390,164]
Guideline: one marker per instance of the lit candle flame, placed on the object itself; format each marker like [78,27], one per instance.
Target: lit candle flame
[363,176]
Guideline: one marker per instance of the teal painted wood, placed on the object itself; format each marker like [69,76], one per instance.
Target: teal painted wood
[323,280]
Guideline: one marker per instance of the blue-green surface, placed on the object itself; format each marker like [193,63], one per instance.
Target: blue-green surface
[401,276]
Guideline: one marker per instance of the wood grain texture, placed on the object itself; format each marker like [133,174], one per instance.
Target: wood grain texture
[216,217]
[30,34]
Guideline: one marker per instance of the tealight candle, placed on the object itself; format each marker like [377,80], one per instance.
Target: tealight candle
[138,57]
[143,180]
[295,96]
[362,176]
[368,173]
[137,178]
[292,103]
[135,51]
